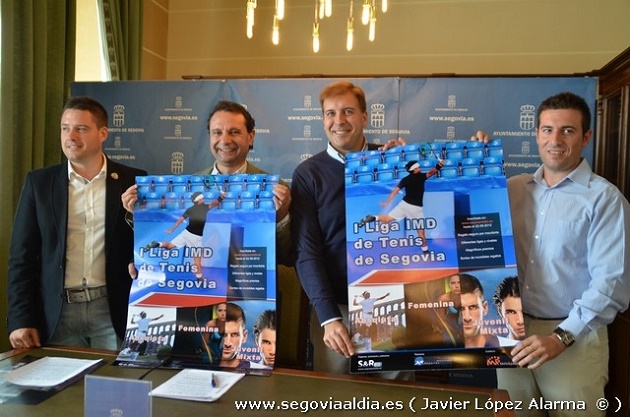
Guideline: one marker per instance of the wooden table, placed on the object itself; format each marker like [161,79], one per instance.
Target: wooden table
[285,393]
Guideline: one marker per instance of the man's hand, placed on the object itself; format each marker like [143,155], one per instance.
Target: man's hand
[26,337]
[282,200]
[481,137]
[536,350]
[392,143]
[129,198]
[133,273]
[337,338]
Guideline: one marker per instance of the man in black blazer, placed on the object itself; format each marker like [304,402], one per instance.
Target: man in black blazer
[68,278]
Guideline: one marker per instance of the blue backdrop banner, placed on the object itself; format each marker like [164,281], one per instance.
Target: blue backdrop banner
[161,126]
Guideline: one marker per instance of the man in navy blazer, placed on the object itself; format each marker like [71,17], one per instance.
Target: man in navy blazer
[68,278]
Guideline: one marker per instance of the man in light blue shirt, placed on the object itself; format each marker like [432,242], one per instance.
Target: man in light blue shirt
[571,230]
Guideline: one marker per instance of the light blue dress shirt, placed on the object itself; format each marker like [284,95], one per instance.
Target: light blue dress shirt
[572,248]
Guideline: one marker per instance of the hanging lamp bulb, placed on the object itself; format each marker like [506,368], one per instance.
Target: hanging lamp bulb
[350,34]
[316,26]
[280,9]
[251,5]
[316,37]
[350,28]
[372,26]
[365,12]
[275,32]
[372,29]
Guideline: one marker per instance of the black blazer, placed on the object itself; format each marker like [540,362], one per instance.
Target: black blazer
[37,255]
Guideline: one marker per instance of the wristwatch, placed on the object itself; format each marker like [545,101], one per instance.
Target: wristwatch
[565,336]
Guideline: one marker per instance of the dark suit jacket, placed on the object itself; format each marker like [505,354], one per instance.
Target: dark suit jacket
[37,255]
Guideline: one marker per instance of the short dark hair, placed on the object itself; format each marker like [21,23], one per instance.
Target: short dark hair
[567,100]
[195,195]
[409,164]
[469,284]
[88,104]
[342,87]
[232,107]
[234,313]
[266,320]
[506,288]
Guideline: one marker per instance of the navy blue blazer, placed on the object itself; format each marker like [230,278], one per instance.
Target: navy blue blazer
[37,254]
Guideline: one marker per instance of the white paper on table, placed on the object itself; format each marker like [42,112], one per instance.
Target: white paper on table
[196,385]
[48,372]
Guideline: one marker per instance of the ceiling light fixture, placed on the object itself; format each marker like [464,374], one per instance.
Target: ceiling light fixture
[323,9]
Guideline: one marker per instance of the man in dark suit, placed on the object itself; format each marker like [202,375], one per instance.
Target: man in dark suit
[68,278]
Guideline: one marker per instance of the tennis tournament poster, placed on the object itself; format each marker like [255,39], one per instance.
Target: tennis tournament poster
[432,280]
[205,295]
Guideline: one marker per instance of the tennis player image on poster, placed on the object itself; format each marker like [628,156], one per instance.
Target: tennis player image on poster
[430,242]
[205,254]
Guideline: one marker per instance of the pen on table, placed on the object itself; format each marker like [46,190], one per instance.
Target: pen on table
[213,381]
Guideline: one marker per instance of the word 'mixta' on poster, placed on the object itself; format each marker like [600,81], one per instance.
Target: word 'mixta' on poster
[431,266]
[206,288]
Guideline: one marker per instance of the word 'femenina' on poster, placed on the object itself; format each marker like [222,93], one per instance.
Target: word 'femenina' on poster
[431,265]
[205,295]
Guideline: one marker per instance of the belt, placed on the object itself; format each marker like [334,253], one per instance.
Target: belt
[544,318]
[84,295]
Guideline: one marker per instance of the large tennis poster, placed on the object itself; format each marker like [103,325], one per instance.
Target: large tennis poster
[205,295]
[431,262]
